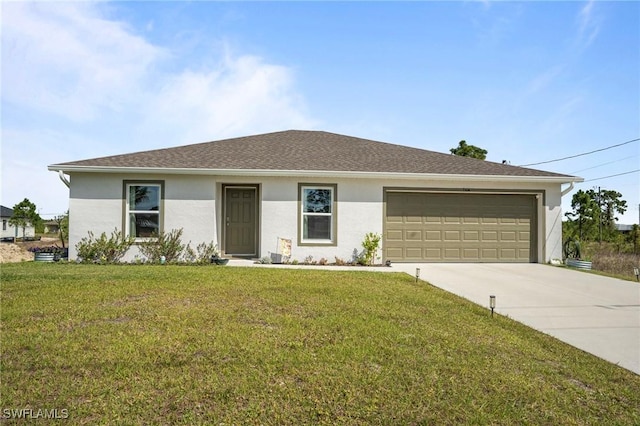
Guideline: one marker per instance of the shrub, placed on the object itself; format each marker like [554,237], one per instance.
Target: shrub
[370,244]
[164,244]
[204,252]
[103,249]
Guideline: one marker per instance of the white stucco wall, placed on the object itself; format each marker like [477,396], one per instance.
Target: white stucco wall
[359,211]
[195,204]
[96,205]
[10,231]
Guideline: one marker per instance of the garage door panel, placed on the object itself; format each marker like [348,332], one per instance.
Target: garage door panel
[452,253]
[489,253]
[507,236]
[471,254]
[394,234]
[460,227]
[451,236]
[489,236]
[395,253]
[414,252]
[524,253]
[433,235]
[508,254]
[431,253]
[433,219]
[471,236]
[412,235]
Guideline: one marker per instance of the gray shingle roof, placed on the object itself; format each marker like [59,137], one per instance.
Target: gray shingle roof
[5,211]
[302,150]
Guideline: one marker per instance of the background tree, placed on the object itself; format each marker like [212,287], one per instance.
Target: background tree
[63,226]
[594,214]
[464,150]
[634,238]
[610,205]
[24,214]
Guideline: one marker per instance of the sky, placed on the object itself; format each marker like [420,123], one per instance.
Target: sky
[527,81]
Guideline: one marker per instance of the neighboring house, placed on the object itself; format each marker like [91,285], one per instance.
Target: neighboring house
[9,231]
[624,229]
[323,191]
[51,227]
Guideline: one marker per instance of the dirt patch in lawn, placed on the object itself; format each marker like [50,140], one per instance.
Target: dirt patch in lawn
[19,252]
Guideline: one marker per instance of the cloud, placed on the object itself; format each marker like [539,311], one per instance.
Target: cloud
[588,25]
[78,83]
[242,95]
[66,59]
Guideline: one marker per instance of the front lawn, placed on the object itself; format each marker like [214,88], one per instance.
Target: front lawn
[223,345]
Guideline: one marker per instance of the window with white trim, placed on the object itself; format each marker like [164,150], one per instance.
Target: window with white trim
[143,204]
[317,214]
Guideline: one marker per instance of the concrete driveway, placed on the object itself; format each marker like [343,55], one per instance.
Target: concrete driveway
[597,314]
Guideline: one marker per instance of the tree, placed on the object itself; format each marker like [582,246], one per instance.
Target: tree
[585,215]
[634,238]
[610,204]
[63,226]
[24,214]
[593,216]
[464,150]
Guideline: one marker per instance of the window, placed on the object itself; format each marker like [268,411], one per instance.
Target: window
[4,225]
[317,214]
[143,209]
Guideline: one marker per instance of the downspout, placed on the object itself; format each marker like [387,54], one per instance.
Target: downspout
[64,179]
[566,191]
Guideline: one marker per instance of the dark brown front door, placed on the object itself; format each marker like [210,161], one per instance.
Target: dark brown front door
[241,221]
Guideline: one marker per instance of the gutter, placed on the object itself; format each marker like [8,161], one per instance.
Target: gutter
[315,173]
[567,190]
[64,179]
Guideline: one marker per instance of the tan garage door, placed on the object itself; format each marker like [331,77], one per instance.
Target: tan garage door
[440,227]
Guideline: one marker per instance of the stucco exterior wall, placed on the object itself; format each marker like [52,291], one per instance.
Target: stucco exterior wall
[195,203]
[96,204]
[9,231]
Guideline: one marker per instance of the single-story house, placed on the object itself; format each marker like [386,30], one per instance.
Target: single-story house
[51,227]
[324,192]
[9,231]
[624,229]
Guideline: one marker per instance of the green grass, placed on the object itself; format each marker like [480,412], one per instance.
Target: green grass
[213,345]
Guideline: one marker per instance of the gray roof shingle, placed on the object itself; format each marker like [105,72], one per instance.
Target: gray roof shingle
[302,150]
[5,211]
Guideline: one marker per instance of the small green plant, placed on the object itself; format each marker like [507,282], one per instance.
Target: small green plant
[103,249]
[370,244]
[309,260]
[204,252]
[167,246]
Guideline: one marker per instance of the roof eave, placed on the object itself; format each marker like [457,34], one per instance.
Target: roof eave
[313,173]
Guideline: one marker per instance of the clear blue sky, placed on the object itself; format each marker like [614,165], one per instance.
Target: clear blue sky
[528,81]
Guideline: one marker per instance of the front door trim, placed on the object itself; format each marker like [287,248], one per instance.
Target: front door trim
[223,222]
